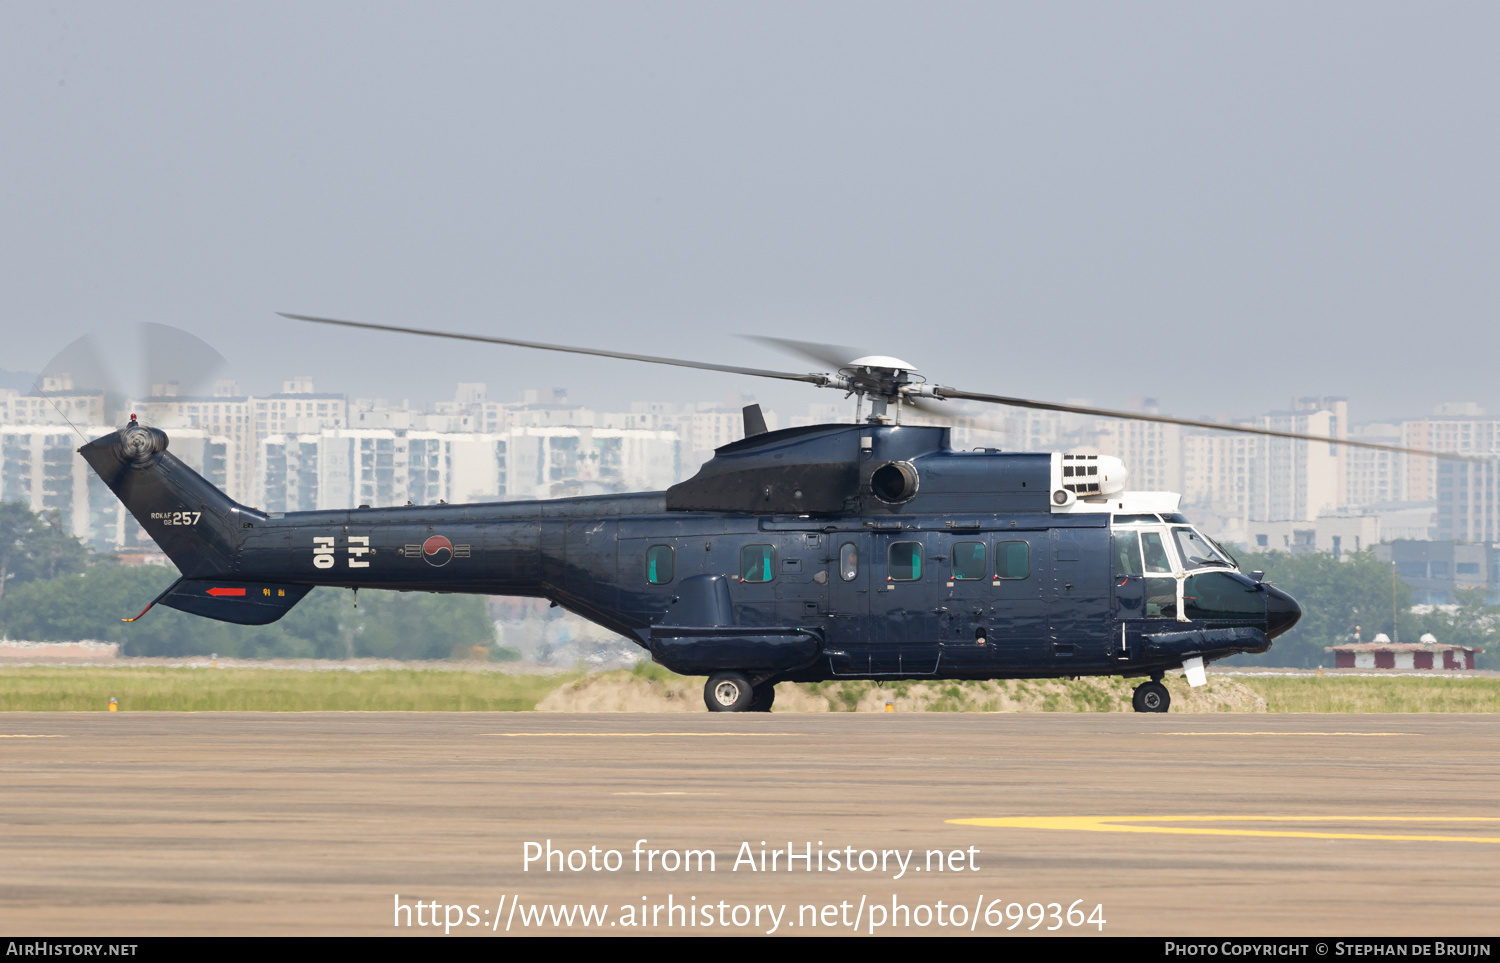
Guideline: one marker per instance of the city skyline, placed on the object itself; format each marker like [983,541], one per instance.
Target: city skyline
[305,449]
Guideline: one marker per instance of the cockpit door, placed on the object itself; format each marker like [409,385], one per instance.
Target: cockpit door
[1145,587]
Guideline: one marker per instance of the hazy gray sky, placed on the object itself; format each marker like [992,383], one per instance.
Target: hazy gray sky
[1218,205]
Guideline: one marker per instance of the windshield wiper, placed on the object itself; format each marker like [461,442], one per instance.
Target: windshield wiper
[1210,561]
[1234,562]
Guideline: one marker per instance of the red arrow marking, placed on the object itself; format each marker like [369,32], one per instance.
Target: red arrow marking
[226,591]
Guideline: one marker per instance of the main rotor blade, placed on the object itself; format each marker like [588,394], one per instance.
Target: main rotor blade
[835,356]
[943,392]
[816,379]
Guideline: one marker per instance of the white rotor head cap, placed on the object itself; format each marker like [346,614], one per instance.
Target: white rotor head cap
[881,361]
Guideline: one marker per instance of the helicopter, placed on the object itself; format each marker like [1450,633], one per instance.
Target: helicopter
[871,550]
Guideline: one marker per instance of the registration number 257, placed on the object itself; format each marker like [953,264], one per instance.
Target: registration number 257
[177,518]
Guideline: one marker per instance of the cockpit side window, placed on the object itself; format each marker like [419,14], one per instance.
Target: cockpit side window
[1128,554]
[1154,551]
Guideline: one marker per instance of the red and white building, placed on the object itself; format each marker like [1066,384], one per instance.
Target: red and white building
[1419,656]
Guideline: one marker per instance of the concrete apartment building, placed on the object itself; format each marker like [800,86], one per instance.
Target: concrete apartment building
[1464,492]
[350,467]
[1218,474]
[57,404]
[242,422]
[40,467]
[1374,477]
[1152,451]
[1300,480]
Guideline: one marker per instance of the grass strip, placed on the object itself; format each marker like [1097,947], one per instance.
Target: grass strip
[1375,694]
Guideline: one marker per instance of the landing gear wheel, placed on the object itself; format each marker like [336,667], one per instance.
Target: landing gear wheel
[1151,697]
[728,692]
[765,695]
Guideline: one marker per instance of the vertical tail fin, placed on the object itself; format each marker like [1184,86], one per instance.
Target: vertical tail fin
[196,525]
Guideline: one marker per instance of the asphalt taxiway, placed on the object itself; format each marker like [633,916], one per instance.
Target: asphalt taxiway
[324,823]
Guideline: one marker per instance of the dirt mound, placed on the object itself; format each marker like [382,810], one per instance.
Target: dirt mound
[656,691]
[628,691]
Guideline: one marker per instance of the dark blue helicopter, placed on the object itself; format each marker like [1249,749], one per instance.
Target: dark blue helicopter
[864,551]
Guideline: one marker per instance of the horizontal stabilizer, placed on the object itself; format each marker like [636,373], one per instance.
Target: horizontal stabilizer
[243,603]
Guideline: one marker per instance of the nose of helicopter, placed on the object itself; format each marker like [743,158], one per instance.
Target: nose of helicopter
[1282,611]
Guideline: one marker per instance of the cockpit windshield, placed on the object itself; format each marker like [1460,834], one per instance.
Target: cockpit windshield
[1197,551]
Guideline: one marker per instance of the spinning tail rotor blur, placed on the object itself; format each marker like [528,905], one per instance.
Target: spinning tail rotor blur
[105,379]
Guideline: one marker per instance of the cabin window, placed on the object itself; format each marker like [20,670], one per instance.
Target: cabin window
[1127,554]
[904,563]
[1012,560]
[849,561]
[659,564]
[757,563]
[970,560]
[1219,595]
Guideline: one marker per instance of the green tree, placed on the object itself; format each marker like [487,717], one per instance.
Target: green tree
[1335,596]
[90,605]
[35,546]
[420,625]
[1472,622]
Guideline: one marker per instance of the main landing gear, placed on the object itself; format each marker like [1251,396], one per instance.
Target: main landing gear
[733,692]
[1151,697]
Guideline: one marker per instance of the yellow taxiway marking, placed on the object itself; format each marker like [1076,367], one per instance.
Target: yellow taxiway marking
[640,735]
[1273,733]
[1144,824]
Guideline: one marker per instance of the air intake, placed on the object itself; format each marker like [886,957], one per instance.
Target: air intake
[1090,475]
